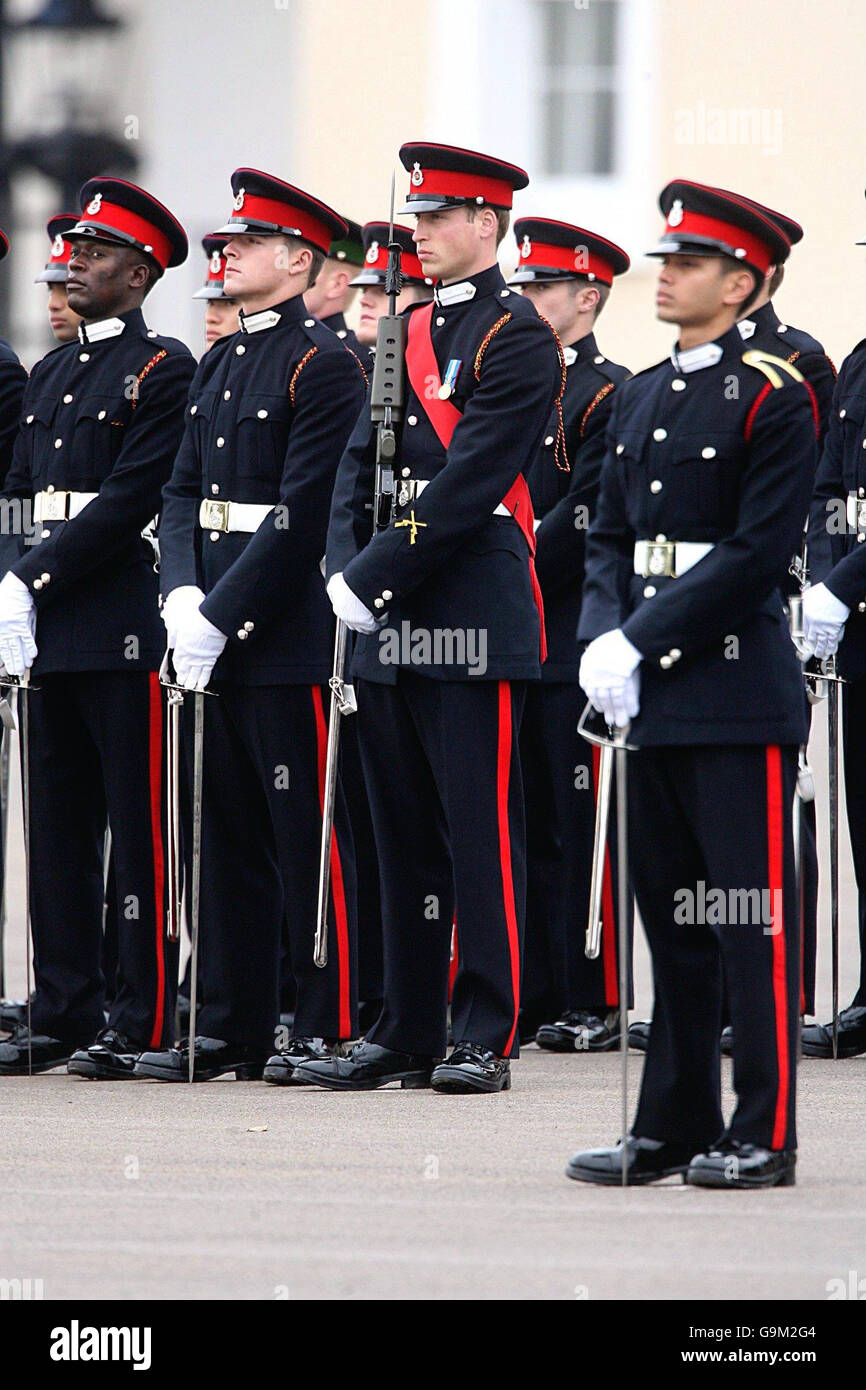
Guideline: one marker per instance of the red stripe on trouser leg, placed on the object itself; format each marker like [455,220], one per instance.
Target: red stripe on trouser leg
[155,767]
[454,961]
[503,777]
[338,888]
[775,877]
[608,935]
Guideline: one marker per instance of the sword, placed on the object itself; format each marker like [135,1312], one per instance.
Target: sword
[613,746]
[7,720]
[342,702]
[828,669]
[23,687]
[174,855]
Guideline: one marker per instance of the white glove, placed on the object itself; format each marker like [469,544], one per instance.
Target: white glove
[348,607]
[609,674]
[17,625]
[178,608]
[196,642]
[824,618]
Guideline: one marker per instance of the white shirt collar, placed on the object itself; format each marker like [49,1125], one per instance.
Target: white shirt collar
[747,328]
[696,358]
[460,293]
[95,332]
[254,323]
[570,354]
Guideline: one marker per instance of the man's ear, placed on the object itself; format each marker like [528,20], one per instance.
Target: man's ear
[339,283]
[290,255]
[741,284]
[139,275]
[587,299]
[488,223]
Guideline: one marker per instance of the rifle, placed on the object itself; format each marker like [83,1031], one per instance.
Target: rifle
[387,402]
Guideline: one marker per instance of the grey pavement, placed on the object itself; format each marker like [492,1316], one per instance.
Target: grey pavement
[240,1190]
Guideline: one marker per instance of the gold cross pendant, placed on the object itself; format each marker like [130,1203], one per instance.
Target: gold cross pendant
[410,521]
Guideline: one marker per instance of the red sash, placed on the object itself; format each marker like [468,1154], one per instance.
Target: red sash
[423,370]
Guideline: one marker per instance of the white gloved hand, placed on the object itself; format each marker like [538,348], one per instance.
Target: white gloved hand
[348,607]
[824,617]
[197,646]
[609,674]
[178,608]
[18,649]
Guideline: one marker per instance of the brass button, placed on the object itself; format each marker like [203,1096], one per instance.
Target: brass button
[649,591]
[659,435]
[378,603]
[214,487]
[387,595]
[655,485]
[67,400]
[242,634]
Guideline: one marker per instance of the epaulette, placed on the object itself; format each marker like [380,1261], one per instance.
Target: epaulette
[775,369]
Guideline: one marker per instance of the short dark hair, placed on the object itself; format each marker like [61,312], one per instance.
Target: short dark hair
[316,263]
[154,271]
[729,264]
[503,219]
[776,278]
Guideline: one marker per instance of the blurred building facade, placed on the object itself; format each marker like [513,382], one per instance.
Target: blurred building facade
[603,101]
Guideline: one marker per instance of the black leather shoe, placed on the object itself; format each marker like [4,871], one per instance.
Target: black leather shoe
[212,1058]
[280,1069]
[12,1012]
[111,1058]
[732,1164]
[726,1041]
[580,1031]
[472,1067]
[43,1054]
[817,1038]
[639,1035]
[647,1160]
[365,1067]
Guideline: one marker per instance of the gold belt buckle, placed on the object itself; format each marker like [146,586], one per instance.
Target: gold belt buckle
[660,559]
[54,506]
[214,515]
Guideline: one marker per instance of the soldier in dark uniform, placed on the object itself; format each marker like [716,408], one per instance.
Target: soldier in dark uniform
[709,465]
[447,602]
[762,329]
[221,314]
[242,536]
[102,418]
[63,320]
[834,619]
[567,273]
[333,293]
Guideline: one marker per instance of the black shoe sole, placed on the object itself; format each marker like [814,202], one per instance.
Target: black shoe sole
[98,1071]
[37,1067]
[703,1178]
[614,1179]
[246,1072]
[409,1081]
[278,1076]
[814,1050]
[457,1083]
[558,1043]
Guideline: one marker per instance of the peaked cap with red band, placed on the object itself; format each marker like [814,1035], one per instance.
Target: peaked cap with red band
[375,235]
[56,269]
[120,212]
[270,207]
[551,250]
[444,176]
[707,221]
[214,285]
[791,230]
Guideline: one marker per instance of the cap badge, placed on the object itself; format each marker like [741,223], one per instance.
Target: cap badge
[216,261]
[239,200]
[372,253]
[525,248]
[417,175]
[675,216]
[94,205]
[58,245]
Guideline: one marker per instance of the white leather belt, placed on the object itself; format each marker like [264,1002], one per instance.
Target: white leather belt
[855,512]
[410,488]
[232,516]
[655,559]
[56,505]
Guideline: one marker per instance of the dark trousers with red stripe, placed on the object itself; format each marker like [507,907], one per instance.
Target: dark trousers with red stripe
[442,766]
[704,819]
[96,750]
[370,964]
[559,779]
[854,746]
[263,777]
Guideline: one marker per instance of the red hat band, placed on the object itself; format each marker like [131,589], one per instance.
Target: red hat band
[61,251]
[376,258]
[216,268]
[683,224]
[448,183]
[114,220]
[283,217]
[576,260]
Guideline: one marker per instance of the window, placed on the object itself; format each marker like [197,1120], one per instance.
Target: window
[578,86]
